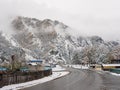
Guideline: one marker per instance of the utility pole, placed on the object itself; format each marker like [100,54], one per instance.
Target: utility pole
[69,55]
[12,62]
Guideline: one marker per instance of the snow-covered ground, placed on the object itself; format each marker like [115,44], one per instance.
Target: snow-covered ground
[58,68]
[80,66]
[115,74]
[111,64]
[55,75]
[103,72]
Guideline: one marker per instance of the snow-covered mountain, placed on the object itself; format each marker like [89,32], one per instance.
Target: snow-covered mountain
[52,41]
[9,48]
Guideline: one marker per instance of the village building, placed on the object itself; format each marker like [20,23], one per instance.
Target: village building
[35,62]
[115,61]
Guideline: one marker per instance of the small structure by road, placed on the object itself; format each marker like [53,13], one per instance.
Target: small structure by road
[35,62]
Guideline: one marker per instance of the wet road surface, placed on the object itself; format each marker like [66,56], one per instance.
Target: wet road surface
[81,80]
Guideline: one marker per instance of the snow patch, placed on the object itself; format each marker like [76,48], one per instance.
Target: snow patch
[111,64]
[29,57]
[115,74]
[10,39]
[107,72]
[58,68]
[80,66]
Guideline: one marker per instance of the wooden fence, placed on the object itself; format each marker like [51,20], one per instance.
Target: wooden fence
[8,78]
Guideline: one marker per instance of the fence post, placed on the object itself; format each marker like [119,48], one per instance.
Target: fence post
[15,78]
[18,77]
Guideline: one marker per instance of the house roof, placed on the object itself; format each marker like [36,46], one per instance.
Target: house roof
[35,61]
[115,60]
[3,69]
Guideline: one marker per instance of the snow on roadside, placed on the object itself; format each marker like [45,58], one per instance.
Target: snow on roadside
[55,75]
[115,74]
[58,68]
[103,72]
[80,67]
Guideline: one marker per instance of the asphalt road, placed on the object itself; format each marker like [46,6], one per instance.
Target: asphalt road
[81,80]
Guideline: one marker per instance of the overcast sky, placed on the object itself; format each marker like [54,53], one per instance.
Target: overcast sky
[90,17]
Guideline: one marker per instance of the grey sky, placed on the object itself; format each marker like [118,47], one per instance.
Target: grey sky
[91,17]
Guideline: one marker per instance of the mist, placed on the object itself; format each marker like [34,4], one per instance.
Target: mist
[86,17]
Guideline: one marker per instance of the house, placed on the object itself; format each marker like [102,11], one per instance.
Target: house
[35,62]
[35,65]
[3,69]
[105,67]
[115,61]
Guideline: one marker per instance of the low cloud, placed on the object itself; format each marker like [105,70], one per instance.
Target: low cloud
[93,18]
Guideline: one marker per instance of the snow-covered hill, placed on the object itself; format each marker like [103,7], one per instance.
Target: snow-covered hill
[53,41]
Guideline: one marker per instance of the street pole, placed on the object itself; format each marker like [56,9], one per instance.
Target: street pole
[69,55]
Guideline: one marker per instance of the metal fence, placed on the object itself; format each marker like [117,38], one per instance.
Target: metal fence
[20,77]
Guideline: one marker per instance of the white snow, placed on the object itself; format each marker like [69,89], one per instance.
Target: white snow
[58,68]
[55,75]
[111,64]
[80,66]
[10,39]
[115,74]
[103,72]
[29,57]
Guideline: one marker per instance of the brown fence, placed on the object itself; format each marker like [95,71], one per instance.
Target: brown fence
[20,77]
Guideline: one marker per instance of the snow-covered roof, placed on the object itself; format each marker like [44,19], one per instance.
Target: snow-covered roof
[35,61]
[33,64]
[111,64]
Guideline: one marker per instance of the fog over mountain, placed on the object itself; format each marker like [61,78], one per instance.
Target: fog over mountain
[39,30]
[86,17]
[53,41]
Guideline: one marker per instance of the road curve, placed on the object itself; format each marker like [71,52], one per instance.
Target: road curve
[81,80]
